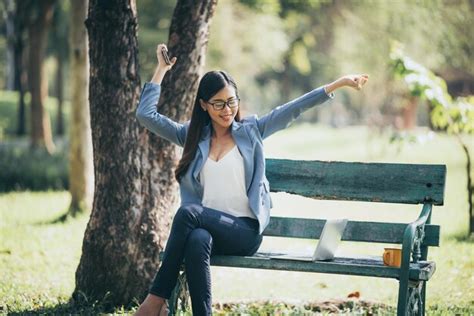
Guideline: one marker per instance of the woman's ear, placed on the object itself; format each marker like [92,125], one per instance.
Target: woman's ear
[203,106]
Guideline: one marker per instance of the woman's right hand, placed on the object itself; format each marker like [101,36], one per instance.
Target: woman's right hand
[161,60]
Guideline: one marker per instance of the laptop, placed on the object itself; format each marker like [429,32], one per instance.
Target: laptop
[327,245]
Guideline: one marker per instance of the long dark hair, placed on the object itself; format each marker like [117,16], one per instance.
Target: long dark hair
[210,84]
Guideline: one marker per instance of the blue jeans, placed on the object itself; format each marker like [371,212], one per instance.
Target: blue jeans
[197,233]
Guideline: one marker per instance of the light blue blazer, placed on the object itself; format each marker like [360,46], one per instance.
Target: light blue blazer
[248,135]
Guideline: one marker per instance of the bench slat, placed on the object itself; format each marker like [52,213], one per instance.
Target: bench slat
[355,231]
[368,266]
[354,181]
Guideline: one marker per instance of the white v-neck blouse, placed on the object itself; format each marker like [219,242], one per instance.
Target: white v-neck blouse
[224,184]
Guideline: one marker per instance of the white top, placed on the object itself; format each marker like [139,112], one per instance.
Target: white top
[224,184]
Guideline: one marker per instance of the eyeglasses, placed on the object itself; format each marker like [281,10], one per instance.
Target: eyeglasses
[219,105]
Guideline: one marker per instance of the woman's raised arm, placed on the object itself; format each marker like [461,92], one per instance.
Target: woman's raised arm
[281,116]
[146,112]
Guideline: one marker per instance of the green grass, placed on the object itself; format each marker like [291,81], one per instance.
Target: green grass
[38,258]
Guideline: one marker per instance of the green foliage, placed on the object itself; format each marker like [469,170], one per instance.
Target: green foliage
[26,169]
[9,114]
[262,6]
[455,116]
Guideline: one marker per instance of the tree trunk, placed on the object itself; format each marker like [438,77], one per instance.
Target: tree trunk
[135,192]
[20,81]
[81,165]
[37,34]
[60,95]
[20,76]
[470,185]
[409,113]
[21,122]
[9,18]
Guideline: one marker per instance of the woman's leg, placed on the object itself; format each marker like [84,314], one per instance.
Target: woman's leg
[184,222]
[197,255]
[230,235]
[237,238]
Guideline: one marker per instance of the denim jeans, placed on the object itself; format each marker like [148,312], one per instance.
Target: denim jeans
[197,233]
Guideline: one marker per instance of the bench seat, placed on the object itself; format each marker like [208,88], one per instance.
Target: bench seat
[362,266]
[371,266]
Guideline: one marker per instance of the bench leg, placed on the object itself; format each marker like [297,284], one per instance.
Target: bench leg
[180,300]
[423,299]
[411,298]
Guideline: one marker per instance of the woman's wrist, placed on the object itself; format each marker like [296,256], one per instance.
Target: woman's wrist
[159,74]
[331,87]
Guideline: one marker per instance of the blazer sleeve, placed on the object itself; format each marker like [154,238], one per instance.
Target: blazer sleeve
[281,116]
[157,123]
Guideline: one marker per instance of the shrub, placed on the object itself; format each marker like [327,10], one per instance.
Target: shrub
[22,168]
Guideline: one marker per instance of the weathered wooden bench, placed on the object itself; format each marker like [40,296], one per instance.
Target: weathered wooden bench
[373,182]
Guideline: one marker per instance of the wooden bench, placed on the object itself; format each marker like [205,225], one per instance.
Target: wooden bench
[350,181]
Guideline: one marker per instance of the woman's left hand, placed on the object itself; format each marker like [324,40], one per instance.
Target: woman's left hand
[355,81]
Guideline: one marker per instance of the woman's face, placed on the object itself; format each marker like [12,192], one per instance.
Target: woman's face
[225,116]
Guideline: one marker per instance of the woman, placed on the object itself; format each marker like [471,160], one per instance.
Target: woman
[225,196]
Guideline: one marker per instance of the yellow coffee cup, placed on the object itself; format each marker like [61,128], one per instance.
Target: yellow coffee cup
[392,257]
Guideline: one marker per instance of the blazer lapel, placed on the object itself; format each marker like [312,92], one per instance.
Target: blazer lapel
[204,149]
[244,144]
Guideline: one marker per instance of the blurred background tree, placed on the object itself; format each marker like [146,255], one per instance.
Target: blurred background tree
[278,50]
[456,116]
[275,49]
[81,167]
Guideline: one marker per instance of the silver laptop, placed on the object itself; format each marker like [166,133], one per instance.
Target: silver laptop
[327,245]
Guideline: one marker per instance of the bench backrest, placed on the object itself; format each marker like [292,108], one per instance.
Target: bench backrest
[355,181]
[376,182]
[390,233]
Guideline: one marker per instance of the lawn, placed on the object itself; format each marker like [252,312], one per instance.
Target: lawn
[38,257]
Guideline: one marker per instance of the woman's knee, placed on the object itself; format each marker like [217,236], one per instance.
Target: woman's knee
[199,242]
[185,212]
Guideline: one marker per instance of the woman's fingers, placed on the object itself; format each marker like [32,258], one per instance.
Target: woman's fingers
[362,80]
[359,80]
[159,48]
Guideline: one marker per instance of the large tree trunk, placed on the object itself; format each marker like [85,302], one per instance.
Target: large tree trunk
[135,193]
[37,34]
[81,166]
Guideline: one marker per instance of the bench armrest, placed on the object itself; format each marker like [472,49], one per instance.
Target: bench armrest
[413,237]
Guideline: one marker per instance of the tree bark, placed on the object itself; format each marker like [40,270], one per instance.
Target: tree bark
[81,166]
[135,192]
[37,35]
